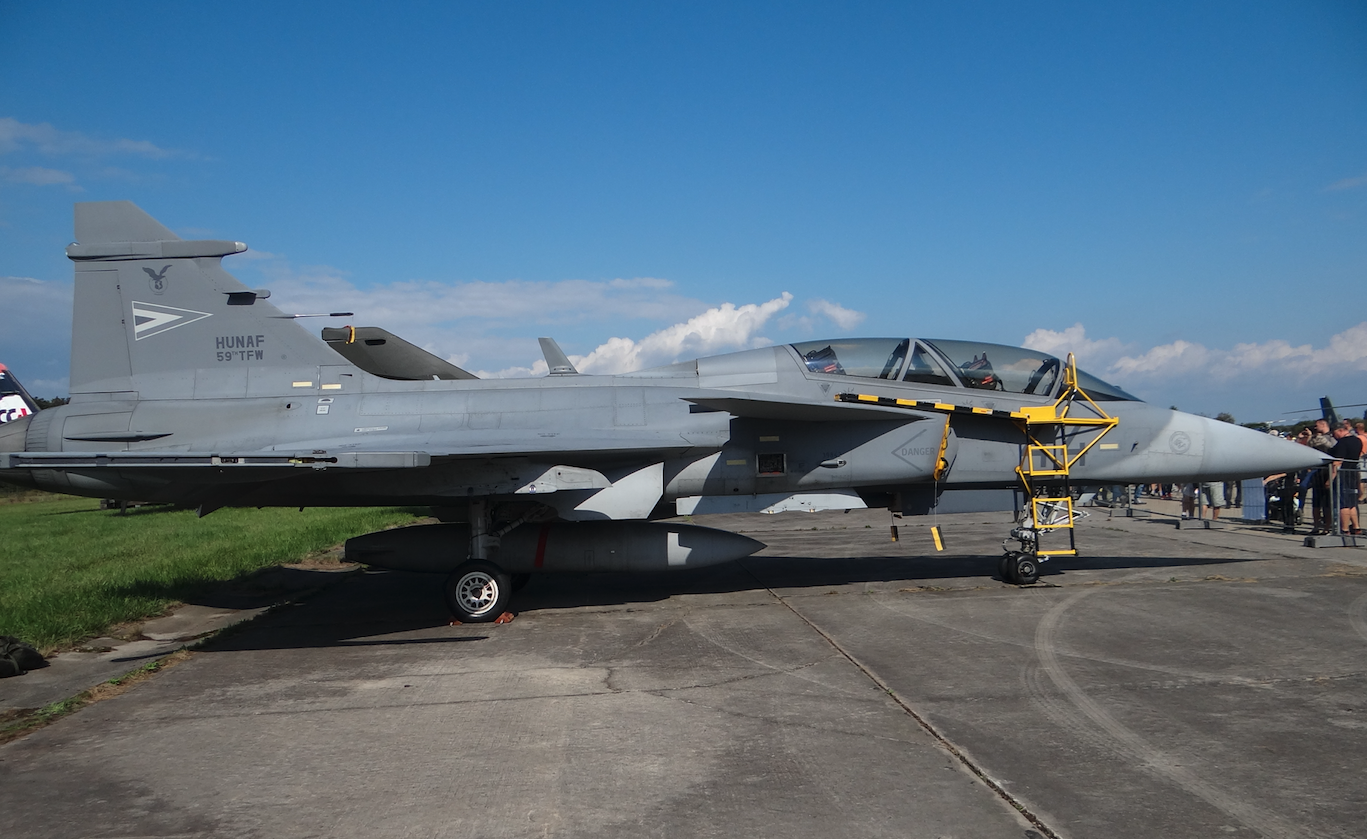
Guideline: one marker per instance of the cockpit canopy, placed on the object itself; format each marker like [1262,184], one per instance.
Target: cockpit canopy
[969,364]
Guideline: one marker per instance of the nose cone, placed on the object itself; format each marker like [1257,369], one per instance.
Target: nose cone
[1232,451]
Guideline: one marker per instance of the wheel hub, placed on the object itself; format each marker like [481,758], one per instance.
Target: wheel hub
[477,592]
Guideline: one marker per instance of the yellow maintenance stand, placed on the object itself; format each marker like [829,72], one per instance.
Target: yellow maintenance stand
[1047,459]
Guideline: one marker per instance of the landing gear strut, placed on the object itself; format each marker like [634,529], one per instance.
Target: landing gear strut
[479,589]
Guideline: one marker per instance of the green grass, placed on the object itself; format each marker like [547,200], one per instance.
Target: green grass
[69,570]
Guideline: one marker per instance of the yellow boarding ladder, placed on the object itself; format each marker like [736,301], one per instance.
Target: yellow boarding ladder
[1045,466]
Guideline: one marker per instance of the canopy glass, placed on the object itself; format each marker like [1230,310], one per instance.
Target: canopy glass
[971,364]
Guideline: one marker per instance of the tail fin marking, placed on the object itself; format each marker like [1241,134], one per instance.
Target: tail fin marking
[158,316]
[15,403]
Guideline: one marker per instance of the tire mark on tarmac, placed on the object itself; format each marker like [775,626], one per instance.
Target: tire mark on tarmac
[1131,745]
[1008,638]
[1357,616]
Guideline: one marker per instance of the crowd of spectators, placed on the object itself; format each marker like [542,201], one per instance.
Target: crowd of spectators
[1340,481]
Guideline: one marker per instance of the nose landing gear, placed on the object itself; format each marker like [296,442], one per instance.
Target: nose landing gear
[1019,567]
[1020,564]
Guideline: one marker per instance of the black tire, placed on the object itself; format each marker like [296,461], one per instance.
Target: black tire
[1026,571]
[1005,566]
[520,582]
[478,591]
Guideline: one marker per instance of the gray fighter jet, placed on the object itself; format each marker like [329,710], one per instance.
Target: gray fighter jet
[189,387]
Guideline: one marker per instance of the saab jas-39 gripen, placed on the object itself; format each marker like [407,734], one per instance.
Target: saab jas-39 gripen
[189,387]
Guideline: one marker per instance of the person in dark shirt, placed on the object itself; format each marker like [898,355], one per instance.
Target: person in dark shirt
[1347,452]
[1321,438]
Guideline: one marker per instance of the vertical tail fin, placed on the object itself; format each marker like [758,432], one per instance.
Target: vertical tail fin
[158,316]
[1327,409]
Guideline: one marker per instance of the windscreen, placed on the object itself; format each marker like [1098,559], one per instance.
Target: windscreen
[999,367]
[1102,391]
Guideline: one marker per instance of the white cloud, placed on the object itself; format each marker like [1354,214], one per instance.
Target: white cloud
[27,303]
[46,139]
[1251,377]
[1164,360]
[1088,352]
[837,314]
[719,329]
[454,320]
[406,304]
[35,332]
[1346,351]
[1349,346]
[47,388]
[38,176]
[1347,183]
[538,368]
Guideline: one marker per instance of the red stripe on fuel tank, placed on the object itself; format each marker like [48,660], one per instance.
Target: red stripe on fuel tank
[541,545]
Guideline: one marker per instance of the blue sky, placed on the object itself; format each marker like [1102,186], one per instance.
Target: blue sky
[1175,191]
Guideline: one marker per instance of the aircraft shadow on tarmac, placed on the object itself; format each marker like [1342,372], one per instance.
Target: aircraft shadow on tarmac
[371,608]
[256,590]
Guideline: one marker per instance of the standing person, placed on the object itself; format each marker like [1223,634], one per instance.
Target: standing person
[1346,453]
[1188,500]
[1322,440]
[1291,504]
[1293,490]
[1284,486]
[1234,494]
[1213,496]
[1360,429]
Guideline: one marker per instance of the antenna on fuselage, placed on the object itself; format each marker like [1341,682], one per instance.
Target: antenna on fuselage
[556,360]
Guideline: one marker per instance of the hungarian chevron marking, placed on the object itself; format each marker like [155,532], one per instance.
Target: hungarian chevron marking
[153,318]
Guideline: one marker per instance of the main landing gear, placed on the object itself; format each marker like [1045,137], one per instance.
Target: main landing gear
[479,589]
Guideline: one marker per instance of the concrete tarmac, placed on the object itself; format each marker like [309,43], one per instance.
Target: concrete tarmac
[1166,683]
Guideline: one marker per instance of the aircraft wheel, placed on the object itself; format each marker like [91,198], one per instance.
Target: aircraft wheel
[1006,565]
[478,591]
[520,582]
[1026,570]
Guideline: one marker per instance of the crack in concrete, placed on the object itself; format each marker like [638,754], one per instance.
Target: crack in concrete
[943,741]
